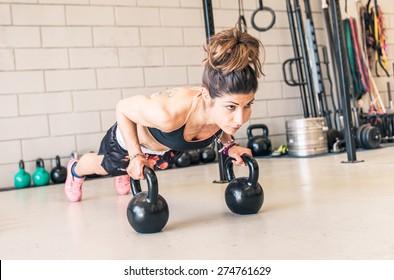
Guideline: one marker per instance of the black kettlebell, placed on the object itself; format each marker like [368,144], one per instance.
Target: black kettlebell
[208,154]
[59,172]
[243,195]
[194,156]
[184,160]
[259,144]
[147,212]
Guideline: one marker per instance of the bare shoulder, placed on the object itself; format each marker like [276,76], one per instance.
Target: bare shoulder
[176,102]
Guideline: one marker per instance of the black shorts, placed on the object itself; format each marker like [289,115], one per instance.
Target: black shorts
[116,160]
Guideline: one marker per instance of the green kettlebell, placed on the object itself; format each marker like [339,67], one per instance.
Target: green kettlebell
[40,176]
[22,178]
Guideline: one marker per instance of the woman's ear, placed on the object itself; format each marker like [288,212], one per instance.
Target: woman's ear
[205,95]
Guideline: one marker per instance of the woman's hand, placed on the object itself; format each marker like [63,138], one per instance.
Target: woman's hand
[136,167]
[236,152]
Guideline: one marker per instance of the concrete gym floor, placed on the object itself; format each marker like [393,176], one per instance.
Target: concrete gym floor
[315,208]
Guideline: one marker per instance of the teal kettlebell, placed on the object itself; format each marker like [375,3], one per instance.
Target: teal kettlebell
[40,176]
[22,178]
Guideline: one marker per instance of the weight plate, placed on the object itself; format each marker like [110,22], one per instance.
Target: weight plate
[371,137]
[358,135]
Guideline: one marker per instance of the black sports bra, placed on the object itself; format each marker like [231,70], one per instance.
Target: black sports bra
[176,141]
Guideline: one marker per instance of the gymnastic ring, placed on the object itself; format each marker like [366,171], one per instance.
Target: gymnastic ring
[262,8]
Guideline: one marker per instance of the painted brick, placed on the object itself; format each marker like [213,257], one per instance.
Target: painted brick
[181,17]
[165,76]
[161,36]
[93,57]
[158,3]
[6,60]
[90,142]
[10,152]
[273,72]
[66,37]
[269,90]
[47,147]
[5,14]
[89,15]
[225,18]
[141,57]
[19,37]
[23,127]
[248,5]
[194,36]
[194,75]
[120,77]
[45,103]
[137,16]
[270,55]
[38,15]
[288,107]
[116,36]
[114,2]
[33,81]
[8,106]
[259,109]
[59,80]
[276,37]
[35,59]
[192,4]
[183,56]
[104,100]
[74,123]
[74,2]
[281,21]
[108,118]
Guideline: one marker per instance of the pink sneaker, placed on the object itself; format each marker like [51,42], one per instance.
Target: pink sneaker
[73,185]
[122,184]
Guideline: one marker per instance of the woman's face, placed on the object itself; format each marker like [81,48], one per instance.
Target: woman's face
[231,111]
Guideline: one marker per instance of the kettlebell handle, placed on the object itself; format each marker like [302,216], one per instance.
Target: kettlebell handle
[40,163]
[57,160]
[21,164]
[253,169]
[257,126]
[153,188]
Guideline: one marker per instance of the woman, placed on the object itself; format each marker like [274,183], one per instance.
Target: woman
[153,130]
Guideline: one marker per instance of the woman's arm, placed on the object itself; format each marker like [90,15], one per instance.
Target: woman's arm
[146,112]
[235,151]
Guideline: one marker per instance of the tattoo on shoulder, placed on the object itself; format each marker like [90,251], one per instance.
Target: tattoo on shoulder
[168,93]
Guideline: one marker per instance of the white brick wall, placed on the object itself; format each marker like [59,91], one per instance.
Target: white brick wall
[64,64]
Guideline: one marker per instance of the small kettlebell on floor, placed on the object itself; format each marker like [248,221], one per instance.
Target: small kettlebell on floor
[243,195]
[147,212]
[40,176]
[59,172]
[259,144]
[22,178]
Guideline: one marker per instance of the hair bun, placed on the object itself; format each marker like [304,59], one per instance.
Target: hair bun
[233,50]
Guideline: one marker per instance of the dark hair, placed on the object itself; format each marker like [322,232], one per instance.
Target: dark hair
[232,64]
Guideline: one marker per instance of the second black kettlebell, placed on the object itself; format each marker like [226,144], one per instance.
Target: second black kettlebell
[59,172]
[147,212]
[259,144]
[243,195]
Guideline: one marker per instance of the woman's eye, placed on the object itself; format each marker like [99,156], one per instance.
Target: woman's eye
[249,105]
[230,107]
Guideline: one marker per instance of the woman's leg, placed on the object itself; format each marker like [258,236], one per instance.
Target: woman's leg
[88,164]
